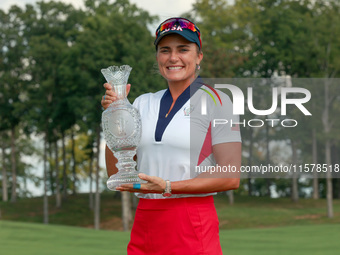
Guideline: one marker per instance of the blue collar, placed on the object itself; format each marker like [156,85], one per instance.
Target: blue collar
[165,104]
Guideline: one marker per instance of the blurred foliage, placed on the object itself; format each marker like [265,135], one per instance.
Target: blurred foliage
[51,85]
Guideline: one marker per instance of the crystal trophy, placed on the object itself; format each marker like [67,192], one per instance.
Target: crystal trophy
[122,128]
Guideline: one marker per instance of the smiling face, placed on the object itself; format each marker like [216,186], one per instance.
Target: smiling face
[177,59]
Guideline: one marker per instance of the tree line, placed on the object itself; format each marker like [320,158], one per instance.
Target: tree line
[51,86]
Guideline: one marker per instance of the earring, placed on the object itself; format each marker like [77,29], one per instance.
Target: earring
[198,67]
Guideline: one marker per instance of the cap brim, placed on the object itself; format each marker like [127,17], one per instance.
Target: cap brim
[190,36]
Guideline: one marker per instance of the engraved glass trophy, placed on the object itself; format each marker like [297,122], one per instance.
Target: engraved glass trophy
[122,128]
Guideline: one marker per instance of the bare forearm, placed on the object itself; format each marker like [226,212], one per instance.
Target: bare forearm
[110,161]
[226,154]
[204,184]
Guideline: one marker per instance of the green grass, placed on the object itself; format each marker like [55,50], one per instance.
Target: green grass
[38,239]
[292,240]
[261,212]
[247,212]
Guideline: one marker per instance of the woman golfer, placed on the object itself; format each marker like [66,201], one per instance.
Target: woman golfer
[184,152]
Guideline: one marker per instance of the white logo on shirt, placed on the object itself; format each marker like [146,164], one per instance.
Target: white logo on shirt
[188,110]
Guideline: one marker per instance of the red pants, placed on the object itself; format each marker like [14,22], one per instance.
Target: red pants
[175,226]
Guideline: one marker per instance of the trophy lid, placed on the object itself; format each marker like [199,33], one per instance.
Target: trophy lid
[117,75]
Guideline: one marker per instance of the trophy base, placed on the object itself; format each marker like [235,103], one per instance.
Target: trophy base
[123,178]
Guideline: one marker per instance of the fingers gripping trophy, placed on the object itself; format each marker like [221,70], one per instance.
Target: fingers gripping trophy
[122,128]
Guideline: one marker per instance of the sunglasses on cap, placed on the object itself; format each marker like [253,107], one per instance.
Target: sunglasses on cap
[182,22]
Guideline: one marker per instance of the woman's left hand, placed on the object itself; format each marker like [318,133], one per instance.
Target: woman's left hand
[154,185]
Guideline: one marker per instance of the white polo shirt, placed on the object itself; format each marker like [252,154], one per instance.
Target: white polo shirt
[172,146]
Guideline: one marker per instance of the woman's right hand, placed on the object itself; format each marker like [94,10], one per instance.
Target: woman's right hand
[111,96]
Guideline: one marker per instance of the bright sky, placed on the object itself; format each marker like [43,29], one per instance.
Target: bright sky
[163,8]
